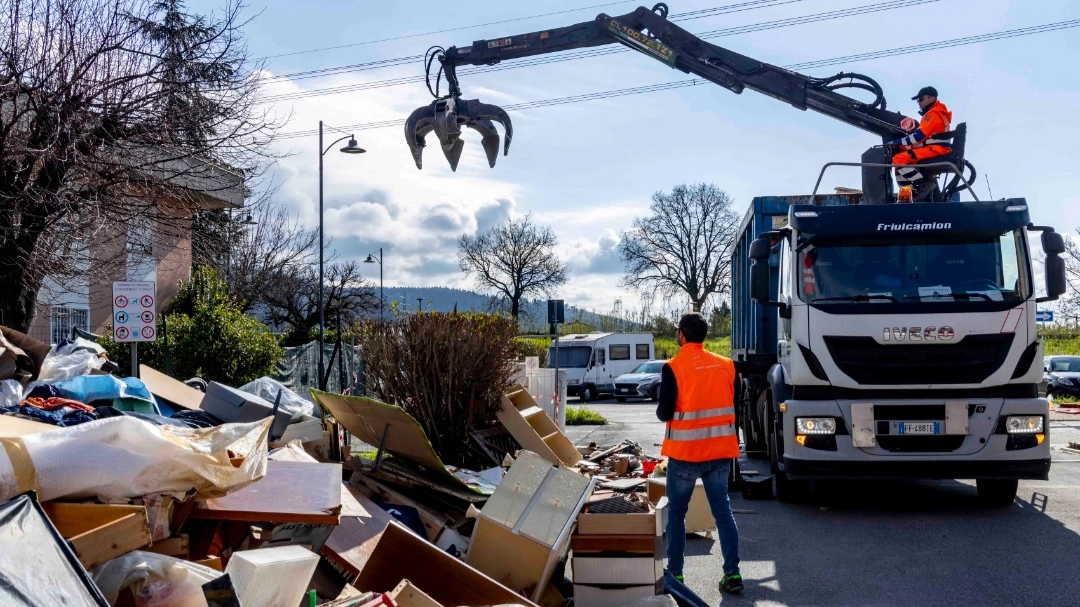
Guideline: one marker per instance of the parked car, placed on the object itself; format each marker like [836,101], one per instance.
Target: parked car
[1061,376]
[642,382]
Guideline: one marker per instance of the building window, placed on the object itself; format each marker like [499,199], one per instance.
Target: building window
[63,319]
[620,352]
[642,352]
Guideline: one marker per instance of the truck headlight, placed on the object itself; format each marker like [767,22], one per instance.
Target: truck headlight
[1024,424]
[815,425]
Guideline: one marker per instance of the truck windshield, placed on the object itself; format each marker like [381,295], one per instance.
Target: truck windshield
[570,357]
[951,267]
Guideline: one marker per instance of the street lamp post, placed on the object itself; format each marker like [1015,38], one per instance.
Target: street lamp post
[371,259]
[351,148]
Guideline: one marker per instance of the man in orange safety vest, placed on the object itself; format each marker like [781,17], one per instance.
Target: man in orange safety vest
[697,392]
[923,143]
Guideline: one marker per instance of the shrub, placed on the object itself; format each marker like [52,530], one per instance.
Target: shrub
[208,336]
[447,370]
[584,416]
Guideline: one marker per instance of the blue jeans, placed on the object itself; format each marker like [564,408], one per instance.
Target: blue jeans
[681,479]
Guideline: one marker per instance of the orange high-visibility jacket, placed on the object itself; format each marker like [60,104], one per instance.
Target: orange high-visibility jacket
[936,119]
[703,428]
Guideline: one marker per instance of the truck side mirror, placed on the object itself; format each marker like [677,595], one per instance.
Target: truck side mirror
[1057,283]
[759,280]
[760,249]
[1053,243]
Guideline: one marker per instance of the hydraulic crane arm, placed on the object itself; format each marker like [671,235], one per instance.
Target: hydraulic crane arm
[650,32]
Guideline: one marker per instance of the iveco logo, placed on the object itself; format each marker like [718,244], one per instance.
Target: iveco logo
[918,334]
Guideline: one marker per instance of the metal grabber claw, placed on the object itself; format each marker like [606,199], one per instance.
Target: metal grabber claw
[446,116]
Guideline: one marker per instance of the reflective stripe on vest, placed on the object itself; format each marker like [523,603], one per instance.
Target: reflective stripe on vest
[700,433]
[703,413]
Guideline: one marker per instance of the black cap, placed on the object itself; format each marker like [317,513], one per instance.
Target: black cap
[924,91]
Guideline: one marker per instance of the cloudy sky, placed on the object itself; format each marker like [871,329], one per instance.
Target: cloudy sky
[587,169]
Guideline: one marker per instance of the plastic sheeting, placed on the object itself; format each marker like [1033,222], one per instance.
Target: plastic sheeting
[159,581]
[298,369]
[37,567]
[89,388]
[269,388]
[123,457]
[68,362]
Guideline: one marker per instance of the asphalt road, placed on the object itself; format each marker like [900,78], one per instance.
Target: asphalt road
[917,543]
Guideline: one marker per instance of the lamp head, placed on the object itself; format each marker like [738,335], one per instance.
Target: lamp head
[352,147]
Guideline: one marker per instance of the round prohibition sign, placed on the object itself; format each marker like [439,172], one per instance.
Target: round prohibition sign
[147,316]
[146,301]
[148,332]
[122,333]
[121,301]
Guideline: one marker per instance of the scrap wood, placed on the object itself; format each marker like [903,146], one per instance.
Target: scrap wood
[627,446]
[401,473]
[99,532]
[623,484]
[351,542]
[407,595]
[368,419]
[291,492]
[433,520]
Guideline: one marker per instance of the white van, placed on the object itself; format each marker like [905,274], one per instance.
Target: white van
[593,360]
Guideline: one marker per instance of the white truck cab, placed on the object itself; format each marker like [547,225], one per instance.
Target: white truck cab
[593,360]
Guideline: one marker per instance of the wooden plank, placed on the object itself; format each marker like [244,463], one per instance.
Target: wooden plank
[633,544]
[351,542]
[172,390]
[433,520]
[407,595]
[291,492]
[173,546]
[99,532]
[213,562]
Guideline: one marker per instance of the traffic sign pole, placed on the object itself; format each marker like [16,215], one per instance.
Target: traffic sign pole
[135,359]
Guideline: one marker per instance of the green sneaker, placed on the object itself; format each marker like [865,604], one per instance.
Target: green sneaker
[731,583]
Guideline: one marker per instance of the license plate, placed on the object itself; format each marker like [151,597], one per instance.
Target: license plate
[919,427]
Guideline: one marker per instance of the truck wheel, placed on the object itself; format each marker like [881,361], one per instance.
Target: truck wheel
[757,443]
[787,490]
[588,393]
[996,491]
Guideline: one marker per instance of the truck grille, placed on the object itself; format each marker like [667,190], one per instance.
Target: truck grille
[969,361]
[920,444]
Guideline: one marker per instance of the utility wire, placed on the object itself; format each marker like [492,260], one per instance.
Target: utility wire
[599,52]
[1027,31]
[322,72]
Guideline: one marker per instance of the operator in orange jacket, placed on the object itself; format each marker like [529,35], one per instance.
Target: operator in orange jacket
[922,142]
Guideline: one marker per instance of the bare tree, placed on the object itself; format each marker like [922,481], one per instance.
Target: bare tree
[255,249]
[513,260]
[114,113]
[294,300]
[1069,306]
[684,246]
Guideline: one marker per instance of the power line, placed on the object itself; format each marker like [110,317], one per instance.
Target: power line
[318,73]
[930,46]
[443,31]
[599,52]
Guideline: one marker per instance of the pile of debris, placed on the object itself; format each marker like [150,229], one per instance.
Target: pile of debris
[148,492]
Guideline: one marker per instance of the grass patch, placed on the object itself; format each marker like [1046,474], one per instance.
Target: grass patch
[584,416]
[666,347]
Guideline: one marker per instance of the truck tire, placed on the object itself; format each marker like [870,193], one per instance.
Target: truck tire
[757,442]
[996,491]
[588,393]
[788,490]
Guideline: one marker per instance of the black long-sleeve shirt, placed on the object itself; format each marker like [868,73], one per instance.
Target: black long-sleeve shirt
[669,393]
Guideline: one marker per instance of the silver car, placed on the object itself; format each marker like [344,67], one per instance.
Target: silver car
[642,382]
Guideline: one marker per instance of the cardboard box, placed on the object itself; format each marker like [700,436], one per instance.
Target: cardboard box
[699,515]
[594,596]
[306,430]
[402,555]
[232,405]
[620,571]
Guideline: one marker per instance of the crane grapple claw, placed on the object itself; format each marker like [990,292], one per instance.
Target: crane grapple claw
[446,116]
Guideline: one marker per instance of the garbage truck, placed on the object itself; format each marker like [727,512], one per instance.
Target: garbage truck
[892,340]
